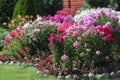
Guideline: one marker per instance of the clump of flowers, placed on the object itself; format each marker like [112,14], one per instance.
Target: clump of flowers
[20,21]
[91,40]
[33,36]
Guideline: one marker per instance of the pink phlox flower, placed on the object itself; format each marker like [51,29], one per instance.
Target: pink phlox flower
[98,52]
[88,49]
[82,53]
[21,51]
[76,44]
[64,57]
[12,34]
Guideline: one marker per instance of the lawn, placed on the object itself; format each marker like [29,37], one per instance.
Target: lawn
[12,72]
[24,72]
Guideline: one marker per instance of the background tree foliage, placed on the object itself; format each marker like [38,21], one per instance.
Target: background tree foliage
[24,7]
[34,7]
[6,9]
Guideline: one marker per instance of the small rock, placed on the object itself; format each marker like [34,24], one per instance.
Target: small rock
[68,76]
[11,63]
[112,74]
[31,64]
[60,73]
[38,72]
[22,63]
[18,64]
[90,75]
[6,62]
[99,76]
[106,75]
[46,71]
[45,75]
[85,76]
[118,73]
[35,65]
[76,76]
[1,62]
[36,59]
[60,77]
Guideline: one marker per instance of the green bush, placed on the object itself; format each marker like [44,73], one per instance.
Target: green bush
[24,7]
[98,3]
[45,7]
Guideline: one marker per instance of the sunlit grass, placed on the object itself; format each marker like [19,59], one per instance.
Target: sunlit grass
[12,72]
[24,72]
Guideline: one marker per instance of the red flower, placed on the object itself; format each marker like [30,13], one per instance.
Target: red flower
[5,48]
[11,34]
[62,27]
[110,38]
[17,38]
[106,29]
[103,30]
[60,38]
[51,39]
[26,48]
[21,51]
[17,54]
[7,39]
[18,32]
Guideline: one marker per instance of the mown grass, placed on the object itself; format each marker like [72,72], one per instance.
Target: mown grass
[12,72]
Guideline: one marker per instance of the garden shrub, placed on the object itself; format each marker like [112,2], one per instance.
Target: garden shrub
[29,40]
[24,7]
[35,35]
[89,41]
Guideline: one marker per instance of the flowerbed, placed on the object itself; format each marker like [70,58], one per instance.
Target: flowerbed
[67,45]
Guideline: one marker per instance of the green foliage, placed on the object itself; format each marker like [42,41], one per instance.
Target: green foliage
[45,7]
[6,10]
[24,7]
[34,7]
[97,3]
[117,3]
[3,33]
[114,4]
